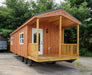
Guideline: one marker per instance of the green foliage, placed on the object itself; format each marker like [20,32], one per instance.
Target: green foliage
[42,6]
[80,13]
[85,52]
[5,32]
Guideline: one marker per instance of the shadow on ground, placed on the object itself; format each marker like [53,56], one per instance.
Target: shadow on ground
[44,68]
[5,51]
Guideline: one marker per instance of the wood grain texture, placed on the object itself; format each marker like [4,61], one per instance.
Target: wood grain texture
[37,38]
[60,35]
[20,49]
[78,40]
[50,39]
[33,50]
[69,50]
[52,58]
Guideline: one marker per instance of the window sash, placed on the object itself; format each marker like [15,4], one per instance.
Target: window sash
[11,41]
[21,38]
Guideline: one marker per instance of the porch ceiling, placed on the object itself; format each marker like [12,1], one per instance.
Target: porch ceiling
[55,21]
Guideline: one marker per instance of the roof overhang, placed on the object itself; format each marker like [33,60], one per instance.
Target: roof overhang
[67,19]
[52,16]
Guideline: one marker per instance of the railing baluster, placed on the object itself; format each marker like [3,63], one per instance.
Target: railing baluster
[71,49]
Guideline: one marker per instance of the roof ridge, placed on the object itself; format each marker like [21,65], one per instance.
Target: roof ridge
[47,11]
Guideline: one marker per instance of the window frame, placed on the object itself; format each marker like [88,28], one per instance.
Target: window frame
[11,40]
[21,38]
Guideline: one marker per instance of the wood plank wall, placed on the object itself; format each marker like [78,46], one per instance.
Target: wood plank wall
[50,39]
[20,49]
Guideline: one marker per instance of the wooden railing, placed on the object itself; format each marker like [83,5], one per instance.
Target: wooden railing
[69,49]
[32,49]
[66,50]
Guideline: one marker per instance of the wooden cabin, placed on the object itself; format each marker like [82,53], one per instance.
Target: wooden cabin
[3,43]
[41,38]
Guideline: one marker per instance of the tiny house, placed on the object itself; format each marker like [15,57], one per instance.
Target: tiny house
[3,43]
[41,38]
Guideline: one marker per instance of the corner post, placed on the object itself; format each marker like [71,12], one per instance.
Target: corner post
[37,38]
[78,40]
[60,35]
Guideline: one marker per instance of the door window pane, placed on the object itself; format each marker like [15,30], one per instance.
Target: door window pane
[35,39]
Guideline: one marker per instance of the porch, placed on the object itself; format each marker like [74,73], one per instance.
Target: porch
[68,52]
[63,51]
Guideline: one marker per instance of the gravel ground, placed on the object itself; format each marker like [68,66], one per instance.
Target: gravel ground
[10,64]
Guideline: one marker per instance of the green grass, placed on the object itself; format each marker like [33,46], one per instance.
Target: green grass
[79,64]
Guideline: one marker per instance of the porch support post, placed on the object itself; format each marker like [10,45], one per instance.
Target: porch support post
[60,35]
[78,40]
[37,38]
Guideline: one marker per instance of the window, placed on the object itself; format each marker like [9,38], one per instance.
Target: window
[21,38]
[11,41]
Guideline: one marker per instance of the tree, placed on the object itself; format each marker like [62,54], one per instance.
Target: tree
[13,16]
[21,11]
[42,6]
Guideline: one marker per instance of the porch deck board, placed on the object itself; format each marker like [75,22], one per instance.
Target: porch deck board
[52,58]
[48,56]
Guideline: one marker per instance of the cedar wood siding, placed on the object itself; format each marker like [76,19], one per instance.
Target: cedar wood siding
[20,49]
[50,39]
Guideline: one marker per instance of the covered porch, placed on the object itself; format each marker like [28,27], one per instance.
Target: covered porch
[64,51]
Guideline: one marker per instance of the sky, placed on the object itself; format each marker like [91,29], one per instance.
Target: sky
[1,1]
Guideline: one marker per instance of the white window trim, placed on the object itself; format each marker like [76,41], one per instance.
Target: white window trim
[22,38]
[11,40]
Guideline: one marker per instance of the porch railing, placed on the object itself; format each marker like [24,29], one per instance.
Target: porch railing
[69,49]
[66,50]
[32,49]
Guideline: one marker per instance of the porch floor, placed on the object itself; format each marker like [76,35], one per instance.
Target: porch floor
[47,58]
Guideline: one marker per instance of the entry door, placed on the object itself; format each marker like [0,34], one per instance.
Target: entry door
[34,32]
